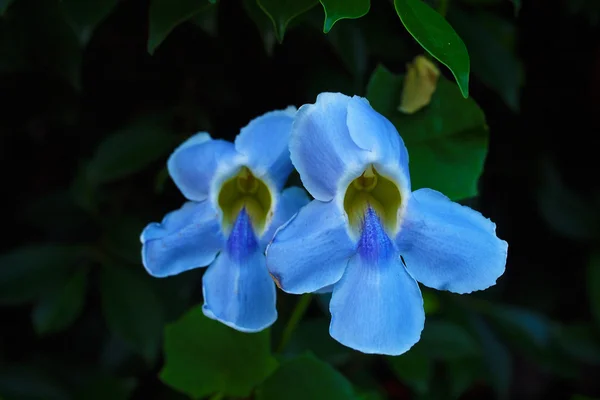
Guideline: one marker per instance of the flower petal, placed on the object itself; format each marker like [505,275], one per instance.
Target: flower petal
[371,131]
[186,238]
[194,163]
[321,147]
[291,200]
[448,246]
[264,141]
[238,290]
[377,306]
[312,250]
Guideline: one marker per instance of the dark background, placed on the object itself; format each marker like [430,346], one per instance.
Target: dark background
[540,184]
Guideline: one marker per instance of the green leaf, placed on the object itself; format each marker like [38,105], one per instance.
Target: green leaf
[263,24]
[59,309]
[593,281]
[447,140]
[305,377]
[413,368]
[340,9]
[4,4]
[524,327]
[204,356]
[129,150]
[517,4]
[495,355]
[462,373]
[446,340]
[281,12]
[165,15]
[40,41]
[30,271]
[105,388]
[493,57]
[132,309]
[566,211]
[84,16]
[579,342]
[312,335]
[349,43]
[29,382]
[436,36]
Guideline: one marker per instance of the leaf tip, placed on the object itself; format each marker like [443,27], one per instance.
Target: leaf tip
[328,24]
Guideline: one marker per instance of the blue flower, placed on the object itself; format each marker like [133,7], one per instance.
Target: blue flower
[235,205]
[364,218]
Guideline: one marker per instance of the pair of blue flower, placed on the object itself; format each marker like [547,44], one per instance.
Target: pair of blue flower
[350,240]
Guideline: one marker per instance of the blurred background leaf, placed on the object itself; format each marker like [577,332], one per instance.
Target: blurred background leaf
[89,119]
[132,309]
[282,12]
[165,15]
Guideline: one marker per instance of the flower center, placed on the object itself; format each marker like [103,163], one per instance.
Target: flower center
[244,190]
[374,190]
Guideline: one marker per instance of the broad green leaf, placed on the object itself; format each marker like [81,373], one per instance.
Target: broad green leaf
[30,271]
[436,36]
[84,16]
[129,150]
[132,309]
[204,356]
[305,377]
[340,9]
[4,4]
[593,281]
[446,340]
[59,308]
[493,58]
[447,140]
[281,12]
[413,368]
[165,15]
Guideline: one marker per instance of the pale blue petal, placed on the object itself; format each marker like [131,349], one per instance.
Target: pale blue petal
[321,147]
[238,290]
[312,250]
[186,238]
[377,306]
[290,202]
[194,163]
[448,246]
[371,131]
[264,141]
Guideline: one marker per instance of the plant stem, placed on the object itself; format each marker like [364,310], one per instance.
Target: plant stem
[297,314]
[217,396]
